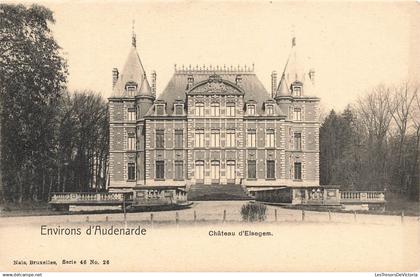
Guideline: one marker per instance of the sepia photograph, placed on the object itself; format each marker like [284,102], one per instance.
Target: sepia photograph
[210,136]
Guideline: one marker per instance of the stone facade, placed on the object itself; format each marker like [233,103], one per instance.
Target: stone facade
[213,126]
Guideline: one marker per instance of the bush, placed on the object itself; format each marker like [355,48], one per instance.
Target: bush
[253,212]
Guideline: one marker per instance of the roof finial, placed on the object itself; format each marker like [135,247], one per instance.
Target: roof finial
[133,37]
[293,36]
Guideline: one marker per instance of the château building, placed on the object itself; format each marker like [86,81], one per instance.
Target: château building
[213,126]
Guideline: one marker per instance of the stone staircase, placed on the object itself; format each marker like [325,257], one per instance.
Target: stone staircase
[217,193]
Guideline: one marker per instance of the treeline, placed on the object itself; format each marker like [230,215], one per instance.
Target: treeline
[51,140]
[374,144]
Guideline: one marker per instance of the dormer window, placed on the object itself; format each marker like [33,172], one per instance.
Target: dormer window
[160,109]
[250,109]
[297,90]
[179,109]
[269,109]
[131,89]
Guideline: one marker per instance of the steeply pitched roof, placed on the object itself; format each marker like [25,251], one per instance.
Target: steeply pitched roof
[250,84]
[294,70]
[133,71]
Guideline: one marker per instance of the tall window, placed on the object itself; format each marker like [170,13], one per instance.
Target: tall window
[298,171]
[179,109]
[269,109]
[131,141]
[271,169]
[215,138]
[297,114]
[297,141]
[179,170]
[178,138]
[199,171]
[297,91]
[199,109]
[215,109]
[252,169]
[269,138]
[131,114]
[230,109]
[251,109]
[251,138]
[160,169]
[230,138]
[131,171]
[230,171]
[160,139]
[199,138]
[215,171]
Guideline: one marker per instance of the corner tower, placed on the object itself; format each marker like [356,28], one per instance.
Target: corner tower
[295,97]
[131,98]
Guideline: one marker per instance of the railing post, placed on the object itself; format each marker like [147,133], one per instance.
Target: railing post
[355,216]
[151,219]
[275,215]
[303,215]
[224,216]
[402,216]
[176,218]
[329,215]
[195,216]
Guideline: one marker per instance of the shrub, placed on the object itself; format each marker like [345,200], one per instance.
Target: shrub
[253,212]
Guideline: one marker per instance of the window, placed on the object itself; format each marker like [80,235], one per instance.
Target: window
[269,138]
[199,109]
[298,171]
[269,110]
[297,141]
[252,169]
[251,138]
[131,114]
[160,109]
[130,90]
[199,171]
[251,109]
[160,169]
[160,139]
[297,91]
[215,138]
[179,109]
[131,171]
[131,141]
[230,109]
[230,171]
[178,138]
[215,109]
[199,138]
[271,169]
[230,138]
[215,171]
[297,114]
[179,170]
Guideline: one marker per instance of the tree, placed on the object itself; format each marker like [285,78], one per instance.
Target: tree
[32,77]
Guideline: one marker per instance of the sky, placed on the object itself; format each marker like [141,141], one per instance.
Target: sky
[353,46]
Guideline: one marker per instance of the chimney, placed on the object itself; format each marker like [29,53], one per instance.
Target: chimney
[312,75]
[273,83]
[115,75]
[154,83]
[190,81]
[238,80]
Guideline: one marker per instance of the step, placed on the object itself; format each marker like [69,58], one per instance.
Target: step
[217,192]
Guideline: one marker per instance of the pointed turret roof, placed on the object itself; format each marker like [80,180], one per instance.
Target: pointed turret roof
[132,73]
[294,70]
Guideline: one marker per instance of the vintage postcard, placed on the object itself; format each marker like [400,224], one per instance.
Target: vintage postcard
[201,136]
